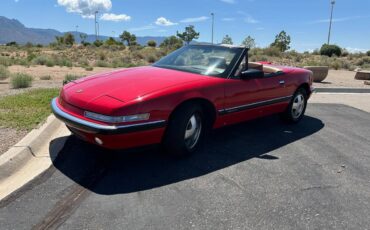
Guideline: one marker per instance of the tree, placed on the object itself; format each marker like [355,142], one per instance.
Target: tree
[227,40]
[330,50]
[152,43]
[60,40]
[129,38]
[282,41]
[69,39]
[111,42]
[188,35]
[249,42]
[83,38]
[171,43]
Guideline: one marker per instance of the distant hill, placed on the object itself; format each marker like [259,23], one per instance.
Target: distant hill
[13,30]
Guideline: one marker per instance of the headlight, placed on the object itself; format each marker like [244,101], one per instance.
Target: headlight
[119,119]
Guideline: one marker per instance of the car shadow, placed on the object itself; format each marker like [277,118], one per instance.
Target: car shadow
[116,172]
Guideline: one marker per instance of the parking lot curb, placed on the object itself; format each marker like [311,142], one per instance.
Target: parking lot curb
[31,156]
[341,90]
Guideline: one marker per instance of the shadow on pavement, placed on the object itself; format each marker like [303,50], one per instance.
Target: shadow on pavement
[107,172]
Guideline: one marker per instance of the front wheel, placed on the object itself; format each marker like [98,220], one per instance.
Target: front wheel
[297,107]
[185,130]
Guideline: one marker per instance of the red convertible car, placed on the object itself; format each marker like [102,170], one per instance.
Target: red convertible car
[177,99]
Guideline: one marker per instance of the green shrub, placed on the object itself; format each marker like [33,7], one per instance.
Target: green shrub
[100,63]
[151,58]
[49,63]
[330,50]
[152,43]
[89,68]
[69,78]
[21,80]
[4,72]
[41,60]
[6,61]
[272,51]
[45,77]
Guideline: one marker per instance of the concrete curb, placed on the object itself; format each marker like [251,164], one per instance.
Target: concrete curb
[31,156]
[342,90]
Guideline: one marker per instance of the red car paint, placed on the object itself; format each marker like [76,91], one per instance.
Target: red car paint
[160,91]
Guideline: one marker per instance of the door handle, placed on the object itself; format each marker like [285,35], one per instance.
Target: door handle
[282,82]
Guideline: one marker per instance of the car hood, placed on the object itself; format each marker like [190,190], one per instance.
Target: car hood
[125,84]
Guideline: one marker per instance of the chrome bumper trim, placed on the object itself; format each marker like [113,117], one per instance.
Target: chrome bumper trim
[95,128]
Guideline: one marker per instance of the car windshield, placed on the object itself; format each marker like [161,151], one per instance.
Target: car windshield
[202,59]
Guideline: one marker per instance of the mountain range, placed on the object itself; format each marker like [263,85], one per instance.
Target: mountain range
[13,30]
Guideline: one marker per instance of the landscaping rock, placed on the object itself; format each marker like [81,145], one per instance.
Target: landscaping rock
[362,75]
[319,72]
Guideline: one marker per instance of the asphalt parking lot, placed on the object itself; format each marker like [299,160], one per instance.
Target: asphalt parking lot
[257,175]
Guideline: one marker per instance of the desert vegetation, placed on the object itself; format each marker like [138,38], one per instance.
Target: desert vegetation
[126,52]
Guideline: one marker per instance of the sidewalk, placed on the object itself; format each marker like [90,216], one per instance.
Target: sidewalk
[359,100]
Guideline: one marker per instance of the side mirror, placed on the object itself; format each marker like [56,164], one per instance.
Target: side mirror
[252,73]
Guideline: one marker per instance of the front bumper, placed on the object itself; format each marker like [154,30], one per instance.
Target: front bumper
[95,128]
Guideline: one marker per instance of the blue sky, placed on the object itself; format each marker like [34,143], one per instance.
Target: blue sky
[306,21]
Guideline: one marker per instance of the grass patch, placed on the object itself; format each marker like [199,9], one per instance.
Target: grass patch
[69,78]
[26,110]
[45,77]
[21,80]
[4,72]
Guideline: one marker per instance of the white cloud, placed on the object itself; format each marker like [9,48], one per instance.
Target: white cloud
[228,19]
[229,1]
[162,21]
[86,7]
[198,19]
[338,19]
[355,50]
[115,17]
[249,19]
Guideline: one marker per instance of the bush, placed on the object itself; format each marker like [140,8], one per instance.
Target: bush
[89,68]
[100,63]
[69,78]
[6,61]
[368,53]
[152,43]
[330,50]
[45,78]
[21,80]
[41,60]
[98,43]
[4,72]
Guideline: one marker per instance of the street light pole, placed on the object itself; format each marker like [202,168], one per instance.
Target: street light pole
[96,30]
[331,19]
[213,23]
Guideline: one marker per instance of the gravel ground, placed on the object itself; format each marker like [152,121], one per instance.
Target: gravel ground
[9,137]
[341,78]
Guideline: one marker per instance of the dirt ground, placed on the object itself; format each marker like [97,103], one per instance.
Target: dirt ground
[57,76]
[341,78]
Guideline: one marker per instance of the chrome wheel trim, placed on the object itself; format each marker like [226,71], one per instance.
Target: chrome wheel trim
[298,106]
[192,131]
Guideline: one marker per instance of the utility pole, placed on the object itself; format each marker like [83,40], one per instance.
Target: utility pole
[76,30]
[213,23]
[331,19]
[96,30]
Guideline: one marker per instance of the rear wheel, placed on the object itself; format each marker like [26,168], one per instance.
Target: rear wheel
[185,130]
[297,107]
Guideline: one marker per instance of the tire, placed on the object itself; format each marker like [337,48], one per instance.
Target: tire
[185,131]
[297,107]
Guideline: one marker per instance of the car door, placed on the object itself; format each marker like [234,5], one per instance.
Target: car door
[253,97]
